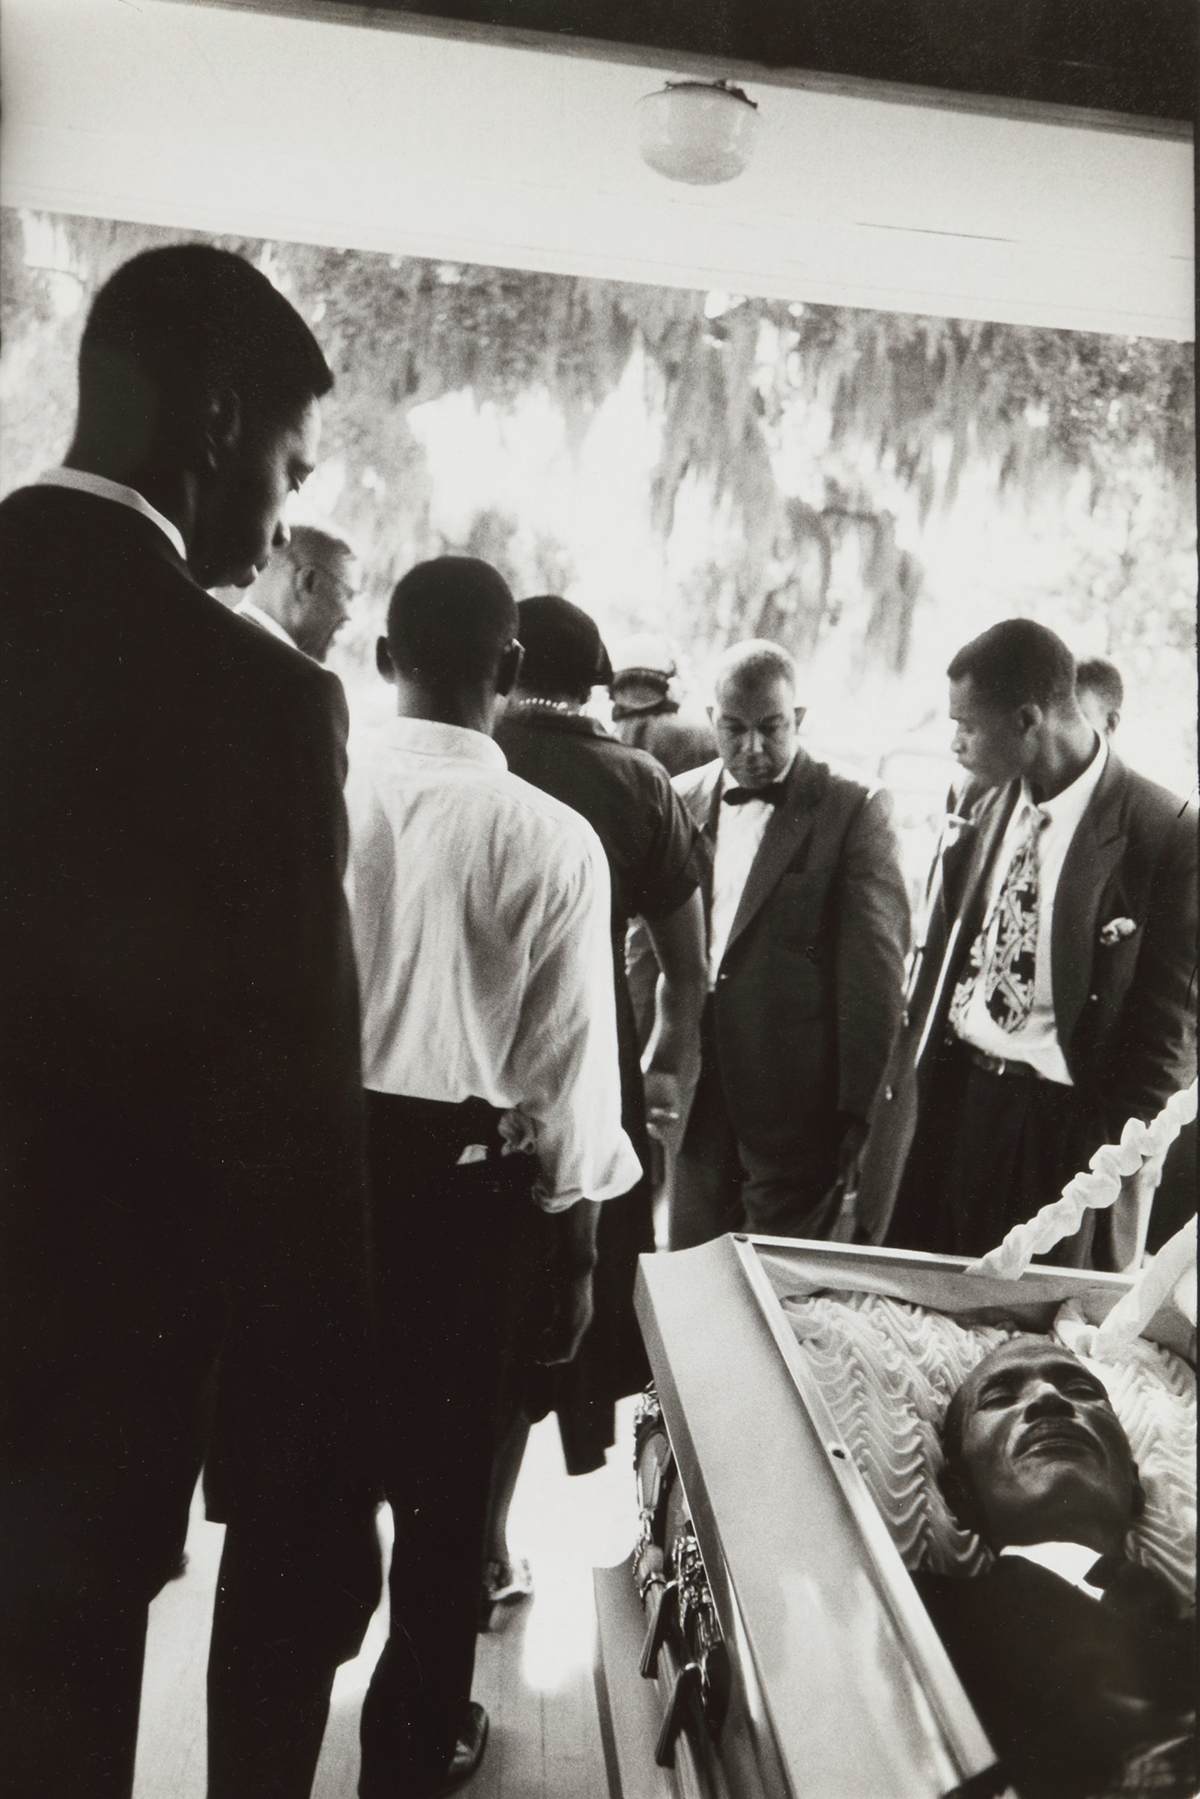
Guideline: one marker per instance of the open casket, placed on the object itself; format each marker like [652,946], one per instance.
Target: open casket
[792,1655]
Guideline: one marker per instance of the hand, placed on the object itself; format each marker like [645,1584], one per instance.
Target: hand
[850,1152]
[519,1134]
[665,1106]
[572,1314]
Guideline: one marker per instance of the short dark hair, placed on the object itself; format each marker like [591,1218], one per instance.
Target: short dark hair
[190,317]
[1017,663]
[450,620]
[1104,680]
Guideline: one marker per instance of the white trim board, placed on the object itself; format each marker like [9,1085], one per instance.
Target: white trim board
[265,124]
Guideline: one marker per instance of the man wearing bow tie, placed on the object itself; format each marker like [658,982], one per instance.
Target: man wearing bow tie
[1053,997]
[1077,1659]
[808,927]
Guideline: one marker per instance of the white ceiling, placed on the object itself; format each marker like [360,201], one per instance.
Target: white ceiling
[382,139]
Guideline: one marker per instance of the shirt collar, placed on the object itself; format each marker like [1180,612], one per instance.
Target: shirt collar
[424,737]
[101,488]
[1072,1562]
[247,609]
[1069,806]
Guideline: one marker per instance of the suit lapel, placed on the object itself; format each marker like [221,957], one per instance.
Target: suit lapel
[1095,851]
[700,791]
[961,898]
[790,825]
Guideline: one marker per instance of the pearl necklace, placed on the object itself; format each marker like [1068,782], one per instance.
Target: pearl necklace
[533,704]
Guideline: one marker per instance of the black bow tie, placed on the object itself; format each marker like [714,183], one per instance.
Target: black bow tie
[741,796]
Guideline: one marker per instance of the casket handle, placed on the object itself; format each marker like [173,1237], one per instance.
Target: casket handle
[657,1630]
[686,1696]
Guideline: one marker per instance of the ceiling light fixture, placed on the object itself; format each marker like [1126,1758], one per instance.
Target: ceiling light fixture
[701,132]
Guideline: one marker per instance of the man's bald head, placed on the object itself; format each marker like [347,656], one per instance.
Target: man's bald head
[1035,1452]
[754,712]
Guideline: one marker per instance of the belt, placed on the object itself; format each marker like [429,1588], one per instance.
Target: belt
[1000,1065]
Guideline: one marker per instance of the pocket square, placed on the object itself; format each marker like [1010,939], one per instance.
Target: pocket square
[474,1152]
[1115,930]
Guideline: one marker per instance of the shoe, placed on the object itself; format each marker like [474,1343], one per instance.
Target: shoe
[468,1753]
[506,1582]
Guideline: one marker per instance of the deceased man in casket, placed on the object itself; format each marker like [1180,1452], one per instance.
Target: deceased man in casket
[1077,1660]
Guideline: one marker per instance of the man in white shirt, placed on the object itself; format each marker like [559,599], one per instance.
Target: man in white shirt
[480,910]
[1076,1658]
[1051,1000]
[304,595]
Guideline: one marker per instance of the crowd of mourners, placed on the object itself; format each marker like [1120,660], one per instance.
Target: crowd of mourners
[338,1091]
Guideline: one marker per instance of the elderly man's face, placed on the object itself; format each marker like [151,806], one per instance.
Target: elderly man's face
[756,719]
[325,589]
[1042,1451]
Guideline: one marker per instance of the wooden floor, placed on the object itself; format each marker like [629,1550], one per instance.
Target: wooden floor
[533,1669]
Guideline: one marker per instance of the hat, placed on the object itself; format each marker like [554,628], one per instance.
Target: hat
[564,651]
[644,657]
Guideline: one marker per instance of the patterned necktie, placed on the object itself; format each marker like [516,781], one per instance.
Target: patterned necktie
[1008,979]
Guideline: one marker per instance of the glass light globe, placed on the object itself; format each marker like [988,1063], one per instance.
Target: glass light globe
[701,132]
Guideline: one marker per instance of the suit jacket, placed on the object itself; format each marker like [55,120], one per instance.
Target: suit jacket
[808,991]
[1066,1686]
[1125,1011]
[180,1103]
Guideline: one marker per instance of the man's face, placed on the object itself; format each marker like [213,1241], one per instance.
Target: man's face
[240,511]
[755,720]
[1042,1451]
[325,590]
[992,742]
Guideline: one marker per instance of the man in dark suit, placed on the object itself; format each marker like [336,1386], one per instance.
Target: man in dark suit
[1077,1660]
[1052,998]
[808,926]
[180,1110]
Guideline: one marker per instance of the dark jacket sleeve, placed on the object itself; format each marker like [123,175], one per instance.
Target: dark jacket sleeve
[1151,1052]
[292,1412]
[872,921]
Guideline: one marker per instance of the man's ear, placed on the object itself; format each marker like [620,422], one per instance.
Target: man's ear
[1029,717]
[800,711]
[1138,1497]
[959,1497]
[510,666]
[221,429]
[383,660]
[712,714]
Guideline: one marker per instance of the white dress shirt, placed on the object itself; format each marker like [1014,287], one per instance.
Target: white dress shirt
[1072,1562]
[1036,1042]
[740,831]
[101,488]
[480,909]
[256,615]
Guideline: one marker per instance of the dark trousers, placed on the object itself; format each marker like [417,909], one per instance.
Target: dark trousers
[989,1151]
[721,1182]
[100,1448]
[99,1460]
[446,1241]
